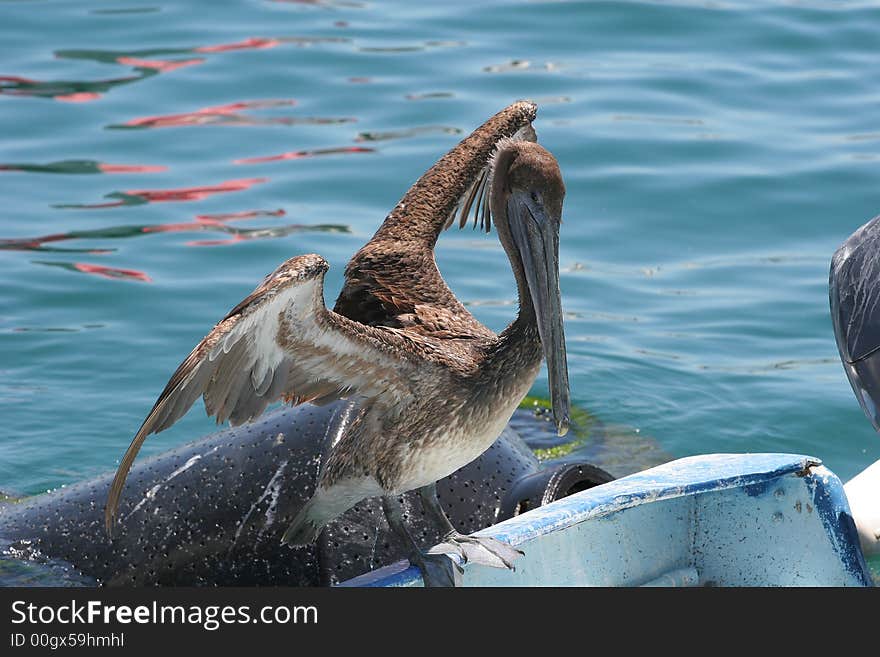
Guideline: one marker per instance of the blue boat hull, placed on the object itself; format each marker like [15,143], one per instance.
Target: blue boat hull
[720,519]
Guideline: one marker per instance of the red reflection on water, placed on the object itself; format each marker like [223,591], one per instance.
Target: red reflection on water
[208,115]
[161,65]
[296,155]
[112,272]
[246,44]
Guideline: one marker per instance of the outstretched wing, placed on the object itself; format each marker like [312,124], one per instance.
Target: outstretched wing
[280,341]
[393,280]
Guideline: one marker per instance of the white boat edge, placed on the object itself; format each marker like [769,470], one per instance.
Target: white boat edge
[863,494]
[715,519]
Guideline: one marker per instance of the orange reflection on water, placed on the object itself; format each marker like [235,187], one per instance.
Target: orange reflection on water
[236,216]
[131,168]
[161,65]
[80,167]
[236,237]
[187,226]
[203,222]
[247,44]
[141,196]
[39,244]
[194,193]
[297,155]
[209,221]
[112,272]
[83,91]
[78,97]
[221,114]
[67,92]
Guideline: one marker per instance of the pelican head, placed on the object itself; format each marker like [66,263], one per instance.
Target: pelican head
[526,204]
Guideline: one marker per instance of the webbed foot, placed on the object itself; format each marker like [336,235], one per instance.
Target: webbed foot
[483,550]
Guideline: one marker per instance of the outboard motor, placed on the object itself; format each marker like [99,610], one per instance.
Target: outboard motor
[212,512]
[854,291]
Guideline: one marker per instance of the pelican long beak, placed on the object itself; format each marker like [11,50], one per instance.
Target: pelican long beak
[536,235]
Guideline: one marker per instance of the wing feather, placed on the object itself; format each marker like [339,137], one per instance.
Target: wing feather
[476,197]
[280,341]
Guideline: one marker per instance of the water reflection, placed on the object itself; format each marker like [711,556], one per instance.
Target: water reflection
[520,65]
[229,114]
[430,95]
[159,65]
[551,100]
[246,234]
[409,132]
[143,196]
[50,329]
[125,10]
[81,167]
[203,222]
[145,62]
[298,155]
[68,91]
[242,215]
[657,119]
[99,270]
[147,54]
[254,43]
[416,47]
[324,3]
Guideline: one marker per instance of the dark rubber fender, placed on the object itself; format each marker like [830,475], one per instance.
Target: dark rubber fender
[212,512]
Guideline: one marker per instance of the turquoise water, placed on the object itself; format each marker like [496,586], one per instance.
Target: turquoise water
[159,158]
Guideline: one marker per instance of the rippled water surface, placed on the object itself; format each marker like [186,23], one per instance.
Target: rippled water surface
[159,158]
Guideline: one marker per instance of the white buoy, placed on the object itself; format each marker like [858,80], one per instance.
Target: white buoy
[863,493]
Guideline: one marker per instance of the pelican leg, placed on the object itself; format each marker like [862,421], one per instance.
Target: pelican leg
[437,569]
[482,550]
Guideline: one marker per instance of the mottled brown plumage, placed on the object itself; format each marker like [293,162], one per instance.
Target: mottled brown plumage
[436,386]
[393,280]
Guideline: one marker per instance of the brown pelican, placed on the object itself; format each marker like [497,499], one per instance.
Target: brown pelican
[436,386]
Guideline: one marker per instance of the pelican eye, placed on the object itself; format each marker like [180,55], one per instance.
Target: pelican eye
[535,196]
